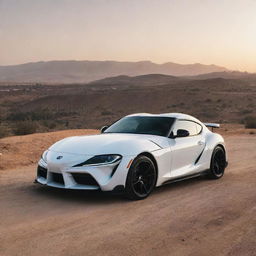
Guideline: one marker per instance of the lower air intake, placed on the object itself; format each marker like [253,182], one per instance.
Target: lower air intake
[41,172]
[84,179]
[58,178]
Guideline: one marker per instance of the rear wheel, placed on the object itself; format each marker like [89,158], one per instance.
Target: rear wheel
[141,178]
[218,163]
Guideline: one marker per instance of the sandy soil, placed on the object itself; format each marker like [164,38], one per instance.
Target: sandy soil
[26,150]
[195,217]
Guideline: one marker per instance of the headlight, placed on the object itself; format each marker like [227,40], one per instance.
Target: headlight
[101,160]
[44,156]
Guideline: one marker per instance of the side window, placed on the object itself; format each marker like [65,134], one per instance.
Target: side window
[191,127]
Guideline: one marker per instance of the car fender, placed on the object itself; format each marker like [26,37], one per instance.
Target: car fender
[212,140]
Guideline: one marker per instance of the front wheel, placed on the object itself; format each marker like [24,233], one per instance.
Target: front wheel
[141,178]
[218,163]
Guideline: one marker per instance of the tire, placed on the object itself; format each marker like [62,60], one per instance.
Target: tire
[141,178]
[218,163]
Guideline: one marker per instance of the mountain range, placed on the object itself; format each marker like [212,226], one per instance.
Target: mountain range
[88,71]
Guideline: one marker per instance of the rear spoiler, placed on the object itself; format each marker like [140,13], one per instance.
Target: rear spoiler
[212,125]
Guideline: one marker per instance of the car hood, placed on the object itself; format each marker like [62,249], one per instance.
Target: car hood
[124,144]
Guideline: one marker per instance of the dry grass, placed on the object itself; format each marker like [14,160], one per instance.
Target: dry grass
[62,107]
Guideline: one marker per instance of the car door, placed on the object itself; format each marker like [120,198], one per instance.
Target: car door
[185,150]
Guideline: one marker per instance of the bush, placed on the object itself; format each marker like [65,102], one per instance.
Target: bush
[3,131]
[250,122]
[24,127]
[18,116]
[49,124]
[44,114]
[106,113]
[246,111]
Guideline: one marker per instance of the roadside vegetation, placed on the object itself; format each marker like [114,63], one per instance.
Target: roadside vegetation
[3,131]
[24,127]
[31,109]
[250,122]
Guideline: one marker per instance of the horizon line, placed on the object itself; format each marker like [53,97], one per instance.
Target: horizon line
[112,60]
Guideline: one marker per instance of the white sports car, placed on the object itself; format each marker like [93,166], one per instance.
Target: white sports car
[134,155]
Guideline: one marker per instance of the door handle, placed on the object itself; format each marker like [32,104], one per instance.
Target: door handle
[200,142]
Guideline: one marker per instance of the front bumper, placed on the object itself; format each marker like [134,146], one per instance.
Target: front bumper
[104,177]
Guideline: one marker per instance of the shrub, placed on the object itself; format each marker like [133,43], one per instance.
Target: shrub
[106,113]
[3,131]
[250,122]
[18,116]
[24,127]
[44,114]
[49,124]
[246,111]
[195,89]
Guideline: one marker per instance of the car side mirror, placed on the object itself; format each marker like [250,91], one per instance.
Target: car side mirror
[182,133]
[103,129]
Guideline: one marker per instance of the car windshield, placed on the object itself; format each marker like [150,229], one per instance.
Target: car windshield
[142,125]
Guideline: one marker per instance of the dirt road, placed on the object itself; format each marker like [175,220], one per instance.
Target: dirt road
[196,217]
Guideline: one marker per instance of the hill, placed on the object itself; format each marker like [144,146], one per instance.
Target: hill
[150,79]
[87,71]
[227,75]
[41,108]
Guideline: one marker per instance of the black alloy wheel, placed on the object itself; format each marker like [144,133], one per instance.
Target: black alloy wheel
[218,163]
[141,178]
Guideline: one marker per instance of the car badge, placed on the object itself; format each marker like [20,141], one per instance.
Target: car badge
[59,157]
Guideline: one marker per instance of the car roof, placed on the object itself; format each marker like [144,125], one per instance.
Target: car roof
[173,115]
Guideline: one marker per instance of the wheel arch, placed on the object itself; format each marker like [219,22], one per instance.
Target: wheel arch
[214,140]
[152,158]
[220,145]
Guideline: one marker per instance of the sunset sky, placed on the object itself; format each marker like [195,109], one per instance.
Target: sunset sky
[221,32]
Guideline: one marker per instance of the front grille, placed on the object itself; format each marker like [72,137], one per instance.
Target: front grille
[84,179]
[41,171]
[57,177]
